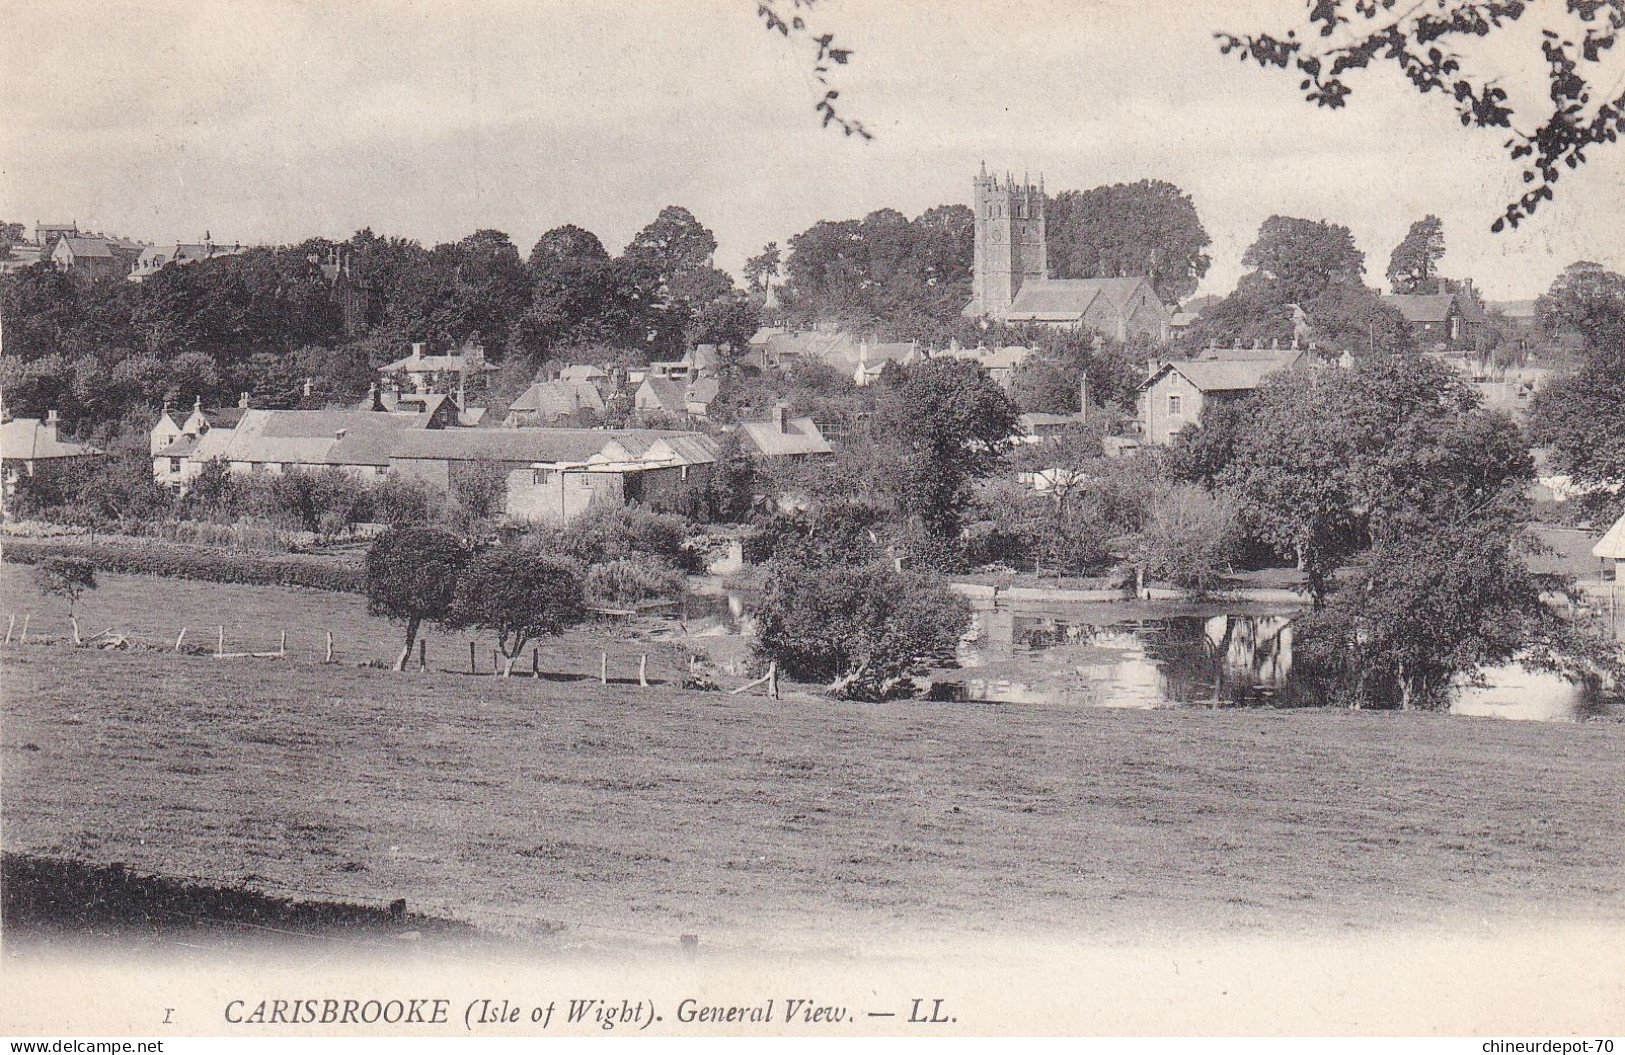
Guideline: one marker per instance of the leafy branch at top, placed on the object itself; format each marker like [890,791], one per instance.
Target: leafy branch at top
[784,18]
[1417,39]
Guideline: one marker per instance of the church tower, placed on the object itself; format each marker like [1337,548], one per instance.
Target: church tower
[1010,247]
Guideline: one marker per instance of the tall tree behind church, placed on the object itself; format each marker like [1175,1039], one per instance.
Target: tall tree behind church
[1148,228]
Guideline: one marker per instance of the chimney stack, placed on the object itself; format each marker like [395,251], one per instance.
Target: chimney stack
[49,428]
[309,381]
[781,417]
[242,401]
[417,349]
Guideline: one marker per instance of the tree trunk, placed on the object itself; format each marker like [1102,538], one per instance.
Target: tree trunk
[411,639]
[77,641]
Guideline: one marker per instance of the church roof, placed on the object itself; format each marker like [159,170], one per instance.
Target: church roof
[1060,299]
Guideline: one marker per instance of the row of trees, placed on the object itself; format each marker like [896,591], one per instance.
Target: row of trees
[269,320]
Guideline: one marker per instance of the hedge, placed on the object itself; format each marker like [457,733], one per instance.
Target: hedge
[190,562]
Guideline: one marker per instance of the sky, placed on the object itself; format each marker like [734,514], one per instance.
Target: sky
[266,121]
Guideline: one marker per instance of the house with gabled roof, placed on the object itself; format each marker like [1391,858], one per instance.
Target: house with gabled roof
[676,399]
[781,436]
[554,402]
[1175,394]
[1442,320]
[31,447]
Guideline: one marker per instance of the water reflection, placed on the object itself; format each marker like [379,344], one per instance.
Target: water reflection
[1223,660]
[1216,661]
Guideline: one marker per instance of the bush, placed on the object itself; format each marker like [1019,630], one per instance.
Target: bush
[186,562]
[611,533]
[867,630]
[633,580]
[1188,539]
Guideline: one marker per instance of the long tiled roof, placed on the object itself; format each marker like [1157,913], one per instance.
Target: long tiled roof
[1233,376]
[1070,298]
[550,399]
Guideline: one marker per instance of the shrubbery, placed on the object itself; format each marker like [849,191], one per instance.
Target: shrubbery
[633,580]
[186,562]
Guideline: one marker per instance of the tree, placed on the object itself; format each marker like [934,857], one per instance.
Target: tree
[1424,607]
[1413,267]
[732,487]
[518,594]
[1587,300]
[943,426]
[1146,228]
[1336,460]
[480,489]
[67,578]
[865,629]
[1189,539]
[1300,258]
[1348,35]
[762,269]
[411,576]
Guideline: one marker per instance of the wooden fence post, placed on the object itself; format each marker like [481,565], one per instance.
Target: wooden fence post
[423,655]
[535,662]
[603,668]
[23,640]
[180,638]
[493,661]
[10,627]
[773,679]
[643,669]
[220,643]
[329,658]
[282,648]
[471,657]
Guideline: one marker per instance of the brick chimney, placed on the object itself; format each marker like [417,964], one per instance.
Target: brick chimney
[781,417]
[49,428]
[242,401]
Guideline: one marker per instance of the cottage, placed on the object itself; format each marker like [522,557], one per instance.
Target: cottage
[674,399]
[1175,394]
[1612,547]
[278,441]
[437,407]
[874,358]
[781,436]
[441,373]
[1442,320]
[94,257]
[30,447]
[555,402]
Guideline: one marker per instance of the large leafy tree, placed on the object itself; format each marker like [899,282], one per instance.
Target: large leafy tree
[1441,601]
[1299,258]
[1581,416]
[411,576]
[1586,301]
[519,595]
[1146,228]
[941,426]
[1414,265]
[1423,40]
[885,274]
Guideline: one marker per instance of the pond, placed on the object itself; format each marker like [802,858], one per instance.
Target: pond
[1092,656]
[1219,660]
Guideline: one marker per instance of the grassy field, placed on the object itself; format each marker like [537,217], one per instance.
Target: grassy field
[797,824]
[152,611]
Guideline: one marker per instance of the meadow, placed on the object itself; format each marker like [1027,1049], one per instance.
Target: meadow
[636,814]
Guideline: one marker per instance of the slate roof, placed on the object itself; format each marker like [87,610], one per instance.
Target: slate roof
[524,446]
[310,437]
[88,247]
[181,446]
[550,399]
[801,436]
[29,439]
[1060,299]
[1419,307]
[580,373]
[1224,376]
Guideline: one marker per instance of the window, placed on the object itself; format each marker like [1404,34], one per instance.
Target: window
[1174,408]
[539,477]
[174,465]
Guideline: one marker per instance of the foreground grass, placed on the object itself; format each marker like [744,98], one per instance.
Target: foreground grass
[661,811]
